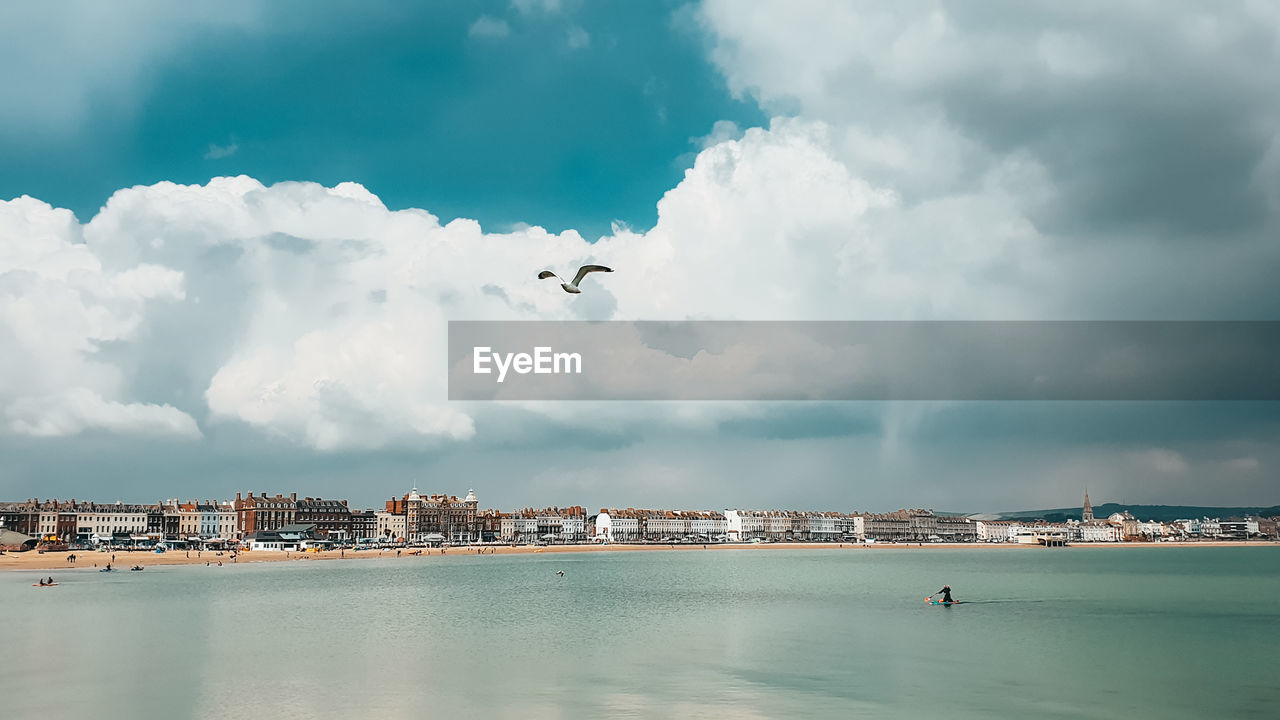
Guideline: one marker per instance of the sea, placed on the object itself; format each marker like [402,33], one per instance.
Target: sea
[1160,632]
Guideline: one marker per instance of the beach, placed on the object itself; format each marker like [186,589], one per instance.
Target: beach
[123,560]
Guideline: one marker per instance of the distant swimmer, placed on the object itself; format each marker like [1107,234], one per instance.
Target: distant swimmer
[560,573]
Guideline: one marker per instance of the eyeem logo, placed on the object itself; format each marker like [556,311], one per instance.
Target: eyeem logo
[542,362]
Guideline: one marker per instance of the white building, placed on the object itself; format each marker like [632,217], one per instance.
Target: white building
[708,524]
[665,524]
[994,531]
[1095,531]
[621,526]
[48,523]
[777,525]
[217,520]
[391,526]
[103,521]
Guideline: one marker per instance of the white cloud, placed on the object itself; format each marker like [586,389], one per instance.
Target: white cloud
[578,38]
[76,409]
[217,152]
[721,131]
[931,95]
[489,27]
[326,312]
[58,308]
[321,314]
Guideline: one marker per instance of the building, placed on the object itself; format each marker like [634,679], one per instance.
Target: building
[426,516]
[706,525]
[744,525]
[618,526]
[331,518]
[255,513]
[22,518]
[103,523]
[1239,529]
[390,526]
[1095,531]
[189,520]
[292,537]
[364,524]
[553,524]
[489,525]
[994,531]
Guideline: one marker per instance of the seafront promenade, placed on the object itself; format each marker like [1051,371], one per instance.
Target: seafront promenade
[125,559]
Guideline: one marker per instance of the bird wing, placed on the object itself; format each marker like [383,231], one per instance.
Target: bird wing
[548,274]
[582,272]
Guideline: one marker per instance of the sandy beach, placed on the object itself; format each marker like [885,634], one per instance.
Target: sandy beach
[32,560]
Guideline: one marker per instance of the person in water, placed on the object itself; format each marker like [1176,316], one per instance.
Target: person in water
[946,594]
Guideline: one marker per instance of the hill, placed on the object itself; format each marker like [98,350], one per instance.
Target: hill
[1161,513]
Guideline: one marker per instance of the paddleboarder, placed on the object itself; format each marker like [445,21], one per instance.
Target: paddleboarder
[946,594]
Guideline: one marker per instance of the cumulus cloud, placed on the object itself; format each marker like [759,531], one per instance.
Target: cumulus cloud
[318,315]
[1143,132]
[1148,120]
[321,314]
[59,307]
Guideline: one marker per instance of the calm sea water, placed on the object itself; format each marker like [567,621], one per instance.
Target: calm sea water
[1186,632]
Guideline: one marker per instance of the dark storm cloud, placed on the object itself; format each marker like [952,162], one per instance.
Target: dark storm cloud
[1150,117]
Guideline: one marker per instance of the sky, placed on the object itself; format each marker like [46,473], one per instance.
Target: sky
[232,235]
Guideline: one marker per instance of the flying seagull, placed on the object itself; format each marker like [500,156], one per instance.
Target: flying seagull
[582,272]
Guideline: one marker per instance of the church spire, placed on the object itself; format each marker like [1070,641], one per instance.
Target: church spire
[1087,514]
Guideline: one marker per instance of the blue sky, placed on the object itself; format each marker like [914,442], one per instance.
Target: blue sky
[800,160]
[574,118]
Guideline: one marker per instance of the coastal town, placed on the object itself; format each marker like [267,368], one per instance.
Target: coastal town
[289,523]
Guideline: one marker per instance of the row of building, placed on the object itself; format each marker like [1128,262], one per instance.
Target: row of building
[1121,527]
[441,518]
[411,518]
[437,518]
[632,525]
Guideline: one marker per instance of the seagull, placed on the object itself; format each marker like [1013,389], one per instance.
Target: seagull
[582,272]
[560,573]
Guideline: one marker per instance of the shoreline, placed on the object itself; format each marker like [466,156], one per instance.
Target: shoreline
[31,560]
